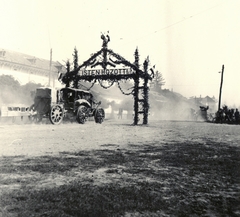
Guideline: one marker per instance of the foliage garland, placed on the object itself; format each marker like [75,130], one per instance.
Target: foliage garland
[111,84]
[95,80]
[127,94]
[92,85]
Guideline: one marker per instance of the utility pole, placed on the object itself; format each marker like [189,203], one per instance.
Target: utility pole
[220,92]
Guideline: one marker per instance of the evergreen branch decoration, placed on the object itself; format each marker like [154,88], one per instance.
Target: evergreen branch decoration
[91,62]
[88,62]
[145,94]
[136,58]
[123,91]
[136,107]
[116,61]
[106,87]
[90,86]
[136,90]
[75,59]
[127,63]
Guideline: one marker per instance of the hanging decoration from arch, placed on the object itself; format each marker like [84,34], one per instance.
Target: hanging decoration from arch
[108,67]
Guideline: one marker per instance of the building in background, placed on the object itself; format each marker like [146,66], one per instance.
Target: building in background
[26,68]
[211,102]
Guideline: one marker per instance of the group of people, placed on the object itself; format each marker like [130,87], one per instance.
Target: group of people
[223,115]
[228,115]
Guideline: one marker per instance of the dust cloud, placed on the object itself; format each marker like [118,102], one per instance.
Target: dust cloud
[9,96]
[172,107]
[163,106]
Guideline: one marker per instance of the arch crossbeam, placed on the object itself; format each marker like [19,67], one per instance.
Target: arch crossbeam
[104,58]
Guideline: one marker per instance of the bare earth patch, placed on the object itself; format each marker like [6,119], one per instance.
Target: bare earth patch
[166,168]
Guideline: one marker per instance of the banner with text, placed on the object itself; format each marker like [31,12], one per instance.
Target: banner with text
[95,72]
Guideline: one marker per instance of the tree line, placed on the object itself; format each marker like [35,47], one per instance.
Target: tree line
[12,92]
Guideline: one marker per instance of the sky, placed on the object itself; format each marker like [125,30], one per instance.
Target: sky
[188,41]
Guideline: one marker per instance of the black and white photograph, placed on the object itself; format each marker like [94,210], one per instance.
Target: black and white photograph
[119,108]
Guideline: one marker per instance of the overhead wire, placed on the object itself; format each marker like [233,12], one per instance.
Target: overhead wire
[174,24]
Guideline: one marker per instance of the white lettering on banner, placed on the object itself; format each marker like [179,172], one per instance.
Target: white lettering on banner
[96,72]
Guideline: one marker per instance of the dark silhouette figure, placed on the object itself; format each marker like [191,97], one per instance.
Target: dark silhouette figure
[120,111]
[105,39]
[236,115]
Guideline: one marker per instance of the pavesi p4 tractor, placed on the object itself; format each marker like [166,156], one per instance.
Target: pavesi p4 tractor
[66,103]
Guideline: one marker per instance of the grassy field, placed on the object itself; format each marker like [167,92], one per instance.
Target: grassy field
[174,179]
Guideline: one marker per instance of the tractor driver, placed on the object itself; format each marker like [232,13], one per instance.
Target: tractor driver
[70,97]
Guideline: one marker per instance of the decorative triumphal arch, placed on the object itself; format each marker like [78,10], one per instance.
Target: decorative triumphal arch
[109,67]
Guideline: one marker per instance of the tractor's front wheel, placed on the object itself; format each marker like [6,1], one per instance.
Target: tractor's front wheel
[56,114]
[82,114]
[99,115]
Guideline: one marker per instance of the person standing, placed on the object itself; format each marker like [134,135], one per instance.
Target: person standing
[120,111]
[236,115]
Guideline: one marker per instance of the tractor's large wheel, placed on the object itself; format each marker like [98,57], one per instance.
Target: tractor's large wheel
[56,114]
[99,115]
[82,114]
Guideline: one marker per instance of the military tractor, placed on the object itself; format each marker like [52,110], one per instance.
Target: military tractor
[66,103]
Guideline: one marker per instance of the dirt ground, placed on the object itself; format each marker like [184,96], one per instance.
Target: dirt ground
[192,166]
[42,139]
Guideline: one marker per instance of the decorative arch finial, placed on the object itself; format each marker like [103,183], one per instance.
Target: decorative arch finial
[105,39]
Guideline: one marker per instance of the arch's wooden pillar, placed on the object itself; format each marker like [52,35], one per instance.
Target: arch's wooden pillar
[136,98]
[145,93]
[145,102]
